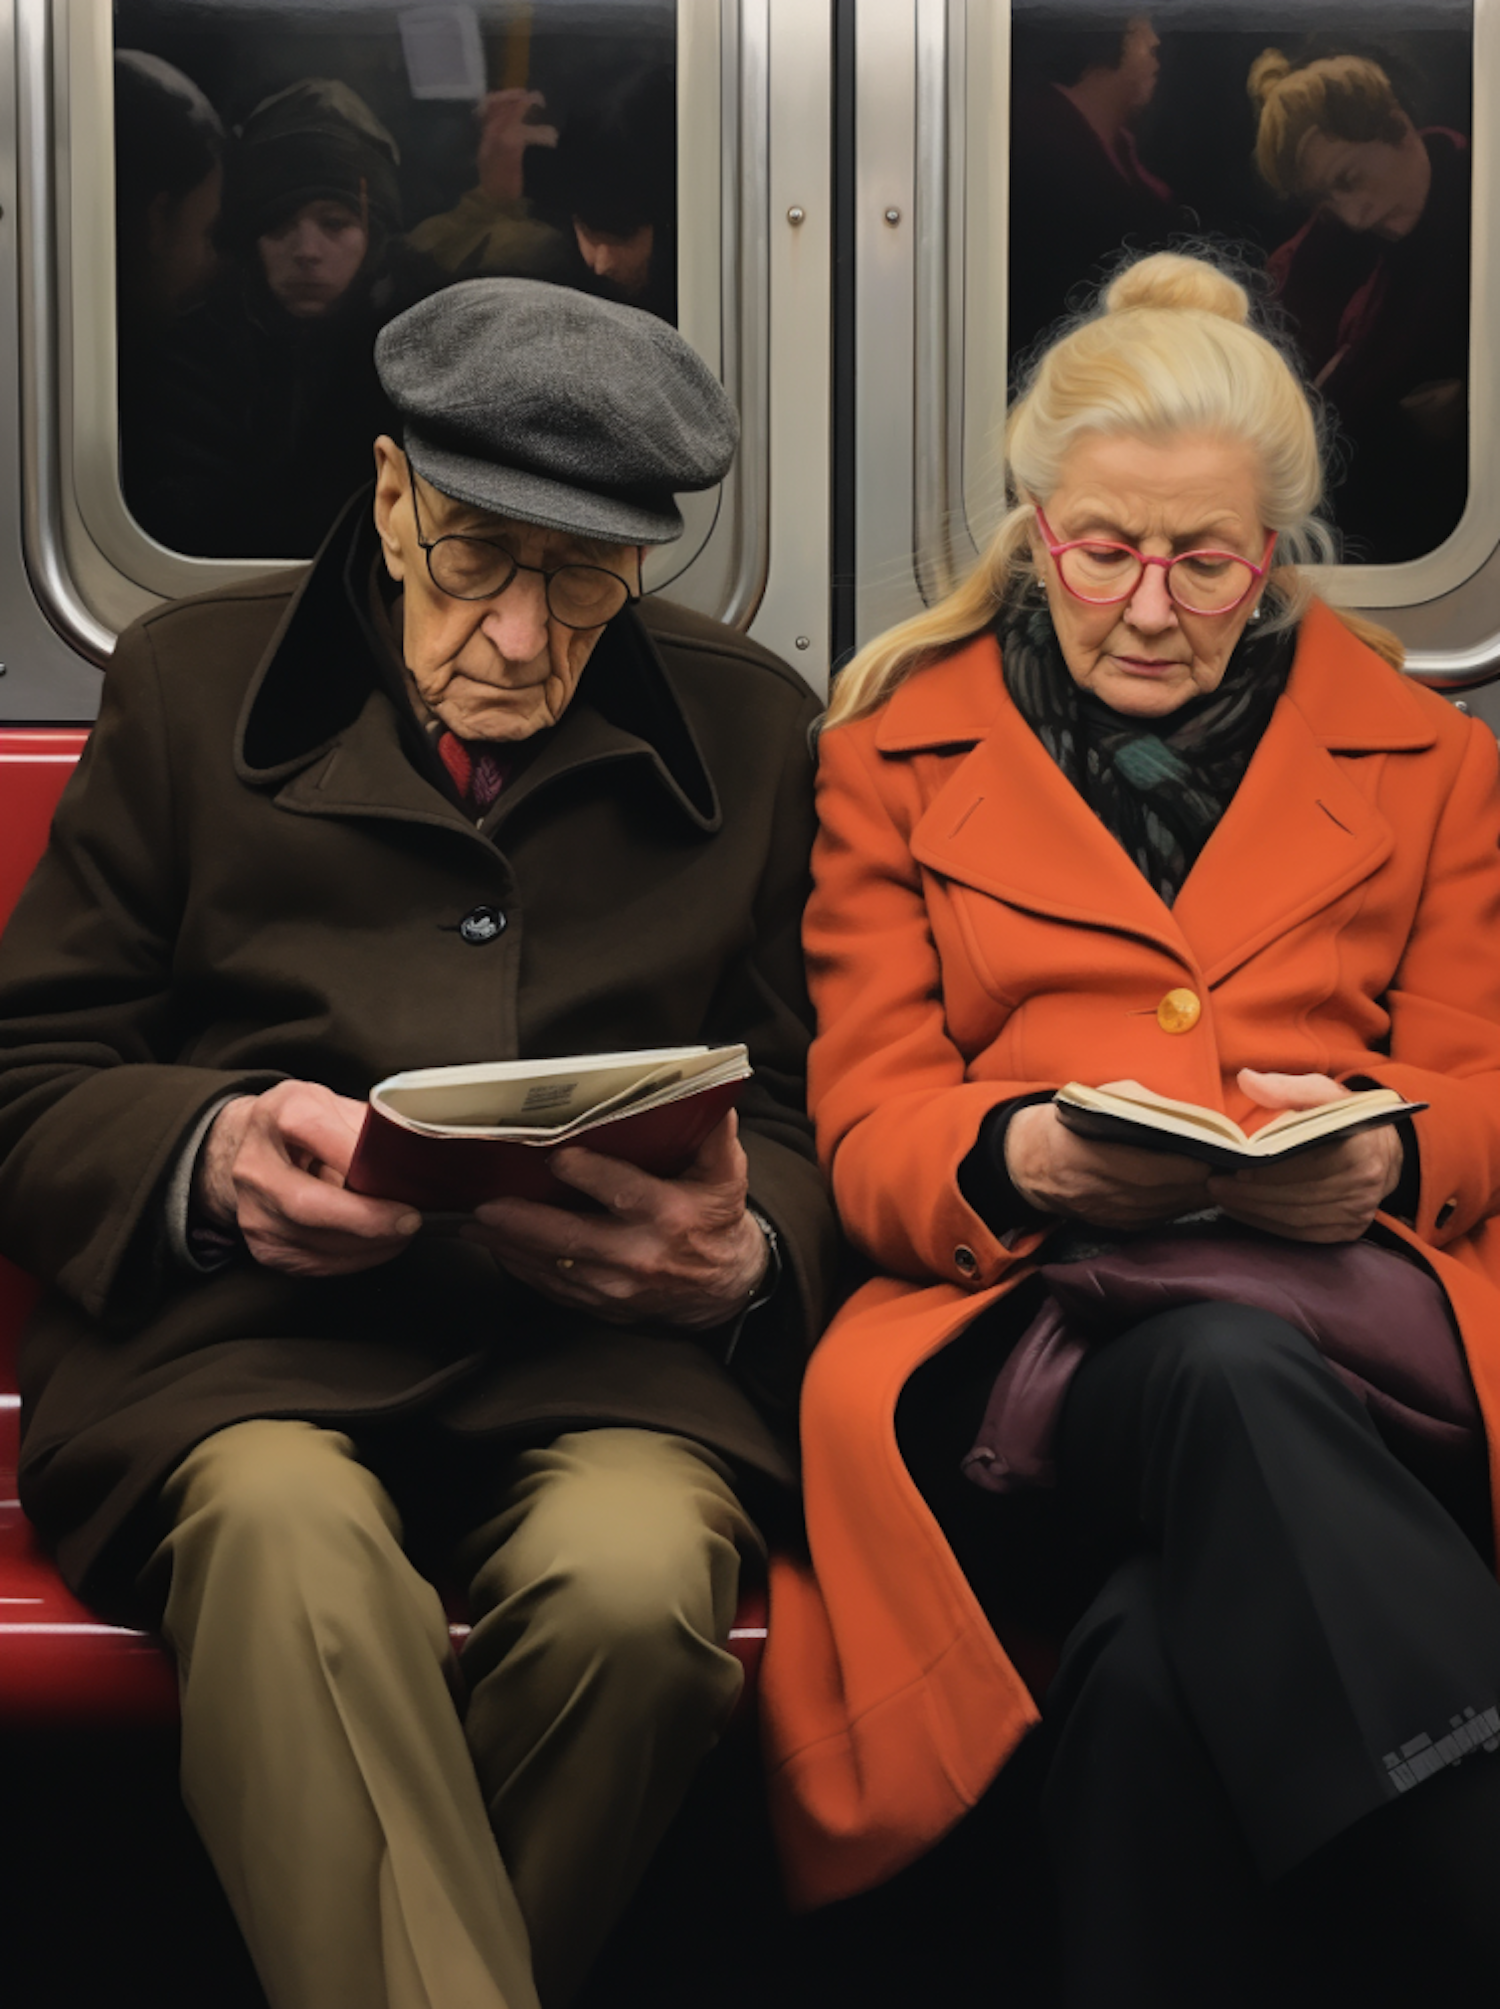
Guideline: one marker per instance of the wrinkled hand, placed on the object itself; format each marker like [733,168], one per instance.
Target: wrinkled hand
[273,1166]
[1107,1185]
[505,133]
[682,1250]
[1328,1195]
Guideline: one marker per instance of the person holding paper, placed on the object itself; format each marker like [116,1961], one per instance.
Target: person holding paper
[1131,806]
[455,794]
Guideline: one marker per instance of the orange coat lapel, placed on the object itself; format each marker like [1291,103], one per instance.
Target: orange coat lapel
[1005,821]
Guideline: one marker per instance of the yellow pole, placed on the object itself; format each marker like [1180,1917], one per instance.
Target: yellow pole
[515,67]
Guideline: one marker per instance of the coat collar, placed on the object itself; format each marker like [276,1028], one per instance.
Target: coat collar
[1352,702]
[319,726]
[1006,821]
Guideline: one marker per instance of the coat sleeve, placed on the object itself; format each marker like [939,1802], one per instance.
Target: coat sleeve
[763,1001]
[896,1113]
[94,1104]
[1444,1006]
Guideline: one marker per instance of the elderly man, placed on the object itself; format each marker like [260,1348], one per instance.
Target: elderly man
[455,794]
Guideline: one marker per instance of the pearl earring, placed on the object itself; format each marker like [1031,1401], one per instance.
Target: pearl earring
[1255,611]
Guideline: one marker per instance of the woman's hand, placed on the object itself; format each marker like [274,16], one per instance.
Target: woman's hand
[1107,1185]
[1328,1195]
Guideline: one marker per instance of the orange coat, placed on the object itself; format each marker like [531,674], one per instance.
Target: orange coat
[975,932]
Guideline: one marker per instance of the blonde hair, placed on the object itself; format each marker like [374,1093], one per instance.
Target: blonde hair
[1171,351]
[1347,97]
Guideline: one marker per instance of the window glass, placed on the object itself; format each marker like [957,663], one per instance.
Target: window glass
[289,177]
[1331,155]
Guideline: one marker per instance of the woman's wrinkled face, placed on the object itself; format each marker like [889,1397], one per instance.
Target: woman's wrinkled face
[311,259]
[496,669]
[1147,656]
[1367,184]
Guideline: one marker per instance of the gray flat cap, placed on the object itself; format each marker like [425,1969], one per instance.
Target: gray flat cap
[555,408]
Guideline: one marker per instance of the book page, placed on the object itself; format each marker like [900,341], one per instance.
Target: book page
[546,1098]
[1143,1105]
[1328,1118]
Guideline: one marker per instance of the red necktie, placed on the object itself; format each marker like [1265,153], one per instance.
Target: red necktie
[477,770]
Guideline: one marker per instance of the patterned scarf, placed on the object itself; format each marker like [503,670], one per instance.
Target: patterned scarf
[1159,786]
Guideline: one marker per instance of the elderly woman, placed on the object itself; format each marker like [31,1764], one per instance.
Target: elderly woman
[1131,804]
[1376,284]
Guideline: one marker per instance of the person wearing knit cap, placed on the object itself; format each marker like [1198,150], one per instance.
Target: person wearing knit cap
[314,189]
[457,793]
[267,396]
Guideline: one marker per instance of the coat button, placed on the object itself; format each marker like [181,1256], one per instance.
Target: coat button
[1179,1011]
[483,925]
[966,1260]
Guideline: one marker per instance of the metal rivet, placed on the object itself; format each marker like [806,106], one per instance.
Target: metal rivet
[804,641]
[1459,705]
[796,214]
[893,215]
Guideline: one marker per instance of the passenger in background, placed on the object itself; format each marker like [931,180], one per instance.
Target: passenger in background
[1376,284]
[604,215]
[169,185]
[266,399]
[1079,191]
[1131,805]
[617,174]
[494,230]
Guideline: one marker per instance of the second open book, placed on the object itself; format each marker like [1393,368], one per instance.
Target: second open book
[1130,1114]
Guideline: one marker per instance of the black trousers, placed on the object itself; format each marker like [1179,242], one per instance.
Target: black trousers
[1285,1639]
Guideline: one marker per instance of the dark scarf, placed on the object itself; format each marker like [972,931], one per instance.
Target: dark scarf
[1159,786]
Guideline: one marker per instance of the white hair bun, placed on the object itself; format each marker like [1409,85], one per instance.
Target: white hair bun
[1170,283]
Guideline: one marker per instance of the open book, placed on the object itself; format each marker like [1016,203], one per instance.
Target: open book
[445,1139]
[1130,1114]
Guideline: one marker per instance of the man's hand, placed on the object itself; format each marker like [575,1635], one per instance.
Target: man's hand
[1107,1185]
[506,132]
[682,1250]
[1328,1195]
[273,1166]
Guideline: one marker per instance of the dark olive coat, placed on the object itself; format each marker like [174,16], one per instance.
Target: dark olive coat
[250,878]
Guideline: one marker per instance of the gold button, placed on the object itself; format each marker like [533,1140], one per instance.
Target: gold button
[1179,1011]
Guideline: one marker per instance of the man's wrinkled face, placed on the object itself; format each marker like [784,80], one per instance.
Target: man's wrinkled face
[497,669]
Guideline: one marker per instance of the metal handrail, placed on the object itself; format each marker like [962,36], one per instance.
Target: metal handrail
[932,464]
[745,181]
[38,177]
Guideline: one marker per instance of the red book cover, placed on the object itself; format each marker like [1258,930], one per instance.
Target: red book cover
[455,1174]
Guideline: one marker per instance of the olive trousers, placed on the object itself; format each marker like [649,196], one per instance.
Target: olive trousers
[382,1846]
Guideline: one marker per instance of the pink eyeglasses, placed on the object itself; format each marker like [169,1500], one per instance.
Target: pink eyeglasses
[1105,574]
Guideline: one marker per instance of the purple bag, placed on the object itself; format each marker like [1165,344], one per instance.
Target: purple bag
[1381,1320]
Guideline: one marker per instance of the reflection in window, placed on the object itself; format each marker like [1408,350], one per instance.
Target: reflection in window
[1336,163]
[290,177]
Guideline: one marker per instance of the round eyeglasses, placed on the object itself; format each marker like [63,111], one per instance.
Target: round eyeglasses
[1105,574]
[480,568]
